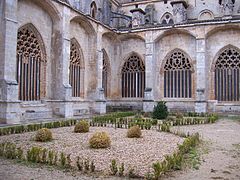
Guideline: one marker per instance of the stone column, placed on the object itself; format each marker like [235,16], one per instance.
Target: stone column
[100,104]
[61,56]
[148,102]
[201,104]
[9,104]
[65,61]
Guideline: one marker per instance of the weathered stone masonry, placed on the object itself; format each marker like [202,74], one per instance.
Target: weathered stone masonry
[71,58]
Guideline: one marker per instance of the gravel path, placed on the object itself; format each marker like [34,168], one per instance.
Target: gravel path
[221,162]
[223,158]
[137,153]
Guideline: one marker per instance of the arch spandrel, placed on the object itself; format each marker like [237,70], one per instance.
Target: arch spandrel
[158,36]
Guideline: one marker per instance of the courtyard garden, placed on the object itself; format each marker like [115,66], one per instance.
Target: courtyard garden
[125,144]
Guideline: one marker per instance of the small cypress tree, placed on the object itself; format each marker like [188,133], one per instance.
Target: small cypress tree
[160,111]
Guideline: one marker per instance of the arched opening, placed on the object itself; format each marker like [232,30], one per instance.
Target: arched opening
[177,75]
[227,75]
[206,15]
[31,64]
[105,73]
[166,19]
[93,10]
[76,69]
[133,77]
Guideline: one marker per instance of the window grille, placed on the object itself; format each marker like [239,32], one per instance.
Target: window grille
[76,69]
[227,75]
[105,73]
[31,64]
[133,78]
[177,76]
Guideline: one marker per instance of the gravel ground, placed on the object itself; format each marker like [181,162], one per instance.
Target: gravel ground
[135,153]
[222,160]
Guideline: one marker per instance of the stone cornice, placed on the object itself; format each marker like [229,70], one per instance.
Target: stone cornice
[139,2]
[158,26]
[185,25]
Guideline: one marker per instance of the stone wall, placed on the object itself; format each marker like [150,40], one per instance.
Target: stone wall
[58,23]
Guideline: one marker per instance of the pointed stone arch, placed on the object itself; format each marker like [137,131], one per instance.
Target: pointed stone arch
[76,69]
[167,19]
[93,10]
[133,77]
[177,69]
[31,64]
[106,74]
[226,74]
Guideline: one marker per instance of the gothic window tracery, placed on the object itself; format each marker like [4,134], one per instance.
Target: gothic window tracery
[167,19]
[133,78]
[105,73]
[76,69]
[178,76]
[31,64]
[227,75]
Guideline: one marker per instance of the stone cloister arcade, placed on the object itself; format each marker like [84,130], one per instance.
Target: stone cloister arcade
[57,62]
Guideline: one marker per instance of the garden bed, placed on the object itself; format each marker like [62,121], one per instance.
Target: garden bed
[138,154]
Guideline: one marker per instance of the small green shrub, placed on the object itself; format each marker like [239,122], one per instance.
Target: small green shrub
[86,165]
[68,161]
[63,159]
[165,128]
[134,132]
[43,135]
[10,151]
[79,164]
[19,153]
[100,140]
[34,155]
[157,167]
[131,173]
[92,167]
[81,127]
[113,167]
[147,114]
[160,111]
[55,160]
[154,122]
[121,170]
[50,157]
[44,156]
[149,176]
[179,115]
